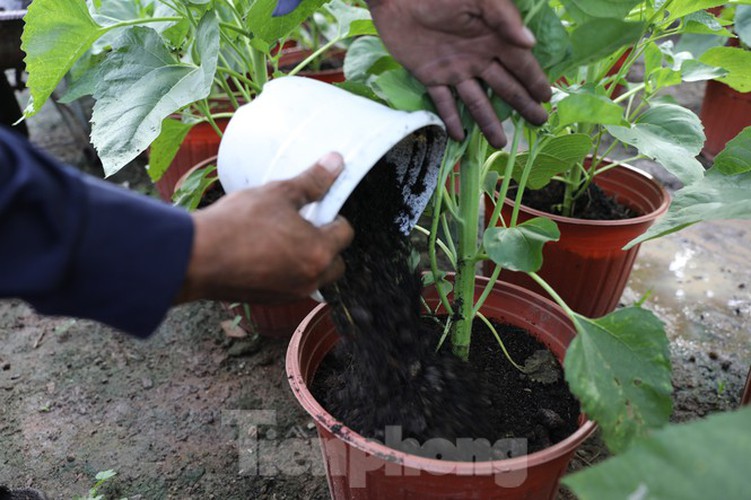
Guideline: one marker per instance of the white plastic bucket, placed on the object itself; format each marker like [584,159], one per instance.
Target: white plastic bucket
[297,120]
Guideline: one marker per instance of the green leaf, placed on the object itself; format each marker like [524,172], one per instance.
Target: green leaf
[105,475]
[736,157]
[402,90]
[704,23]
[696,71]
[681,8]
[362,57]
[670,134]
[360,89]
[56,34]
[598,39]
[165,147]
[82,78]
[619,368]
[351,21]
[442,283]
[743,23]
[143,84]
[553,44]
[558,155]
[699,44]
[716,196]
[736,61]
[190,193]
[270,29]
[520,248]
[587,107]
[695,461]
[585,10]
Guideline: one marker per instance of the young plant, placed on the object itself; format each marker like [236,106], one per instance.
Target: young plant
[101,478]
[157,67]
[618,366]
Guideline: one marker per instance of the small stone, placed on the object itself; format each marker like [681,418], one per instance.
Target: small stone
[70,458]
[6,366]
[233,330]
[147,383]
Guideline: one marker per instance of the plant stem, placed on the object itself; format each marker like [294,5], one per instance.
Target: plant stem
[507,173]
[469,212]
[557,298]
[259,67]
[323,48]
[135,22]
[500,342]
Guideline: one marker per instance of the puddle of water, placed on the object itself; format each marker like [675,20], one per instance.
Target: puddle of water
[700,283]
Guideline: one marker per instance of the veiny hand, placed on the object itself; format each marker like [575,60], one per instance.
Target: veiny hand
[253,245]
[459,45]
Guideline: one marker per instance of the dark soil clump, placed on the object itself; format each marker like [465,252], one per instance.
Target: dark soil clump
[594,204]
[385,371]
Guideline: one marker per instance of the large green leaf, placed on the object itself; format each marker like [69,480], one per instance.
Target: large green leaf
[270,29]
[598,39]
[586,10]
[520,248]
[588,107]
[672,135]
[553,44]
[736,157]
[350,20]
[743,23]
[681,8]
[619,368]
[366,57]
[557,156]
[165,147]
[704,23]
[716,196]
[694,461]
[56,34]
[736,61]
[402,90]
[143,84]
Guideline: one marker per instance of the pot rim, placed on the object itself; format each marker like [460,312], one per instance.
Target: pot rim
[323,418]
[646,177]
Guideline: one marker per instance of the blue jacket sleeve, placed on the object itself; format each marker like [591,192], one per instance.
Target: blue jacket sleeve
[77,246]
[285,7]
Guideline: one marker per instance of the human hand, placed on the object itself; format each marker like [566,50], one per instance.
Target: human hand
[254,246]
[457,45]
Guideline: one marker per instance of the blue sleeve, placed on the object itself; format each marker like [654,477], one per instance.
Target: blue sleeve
[77,246]
[285,7]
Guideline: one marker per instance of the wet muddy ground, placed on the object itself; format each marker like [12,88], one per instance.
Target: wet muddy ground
[193,414]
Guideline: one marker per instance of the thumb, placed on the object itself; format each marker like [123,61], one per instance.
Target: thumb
[313,183]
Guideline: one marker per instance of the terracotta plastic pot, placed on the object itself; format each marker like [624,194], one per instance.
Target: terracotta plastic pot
[588,266]
[202,142]
[724,113]
[277,321]
[292,56]
[358,468]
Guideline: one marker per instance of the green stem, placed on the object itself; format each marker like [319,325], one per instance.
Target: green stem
[323,48]
[500,342]
[469,212]
[535,148]
[135,22]
[446,250]
[507,173]
[557,298]
[259,68]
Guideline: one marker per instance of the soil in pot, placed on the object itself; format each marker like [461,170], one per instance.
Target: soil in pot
[386,372]
[594,204]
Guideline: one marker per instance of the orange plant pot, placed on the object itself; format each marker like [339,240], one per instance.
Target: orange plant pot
[724,113]
[360,468]
[588,266]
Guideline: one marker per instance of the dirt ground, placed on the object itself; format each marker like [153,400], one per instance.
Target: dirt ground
[172,414]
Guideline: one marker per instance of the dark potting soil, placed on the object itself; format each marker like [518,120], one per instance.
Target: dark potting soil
[385,371]
[211,195]
[594,204]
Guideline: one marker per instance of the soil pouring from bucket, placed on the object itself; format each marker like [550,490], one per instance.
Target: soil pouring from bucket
[386,371]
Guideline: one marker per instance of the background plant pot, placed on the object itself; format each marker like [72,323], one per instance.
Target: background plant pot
[273,321]
[724,113]
[202,142]
[332,70]
[358,468]
[277,321]
[587,266]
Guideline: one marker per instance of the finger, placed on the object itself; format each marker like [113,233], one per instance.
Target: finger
[333,272]
[338,234]
[446,107]
[504,18]
[482,111]
[525,68]
[314,182]
[515,95]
